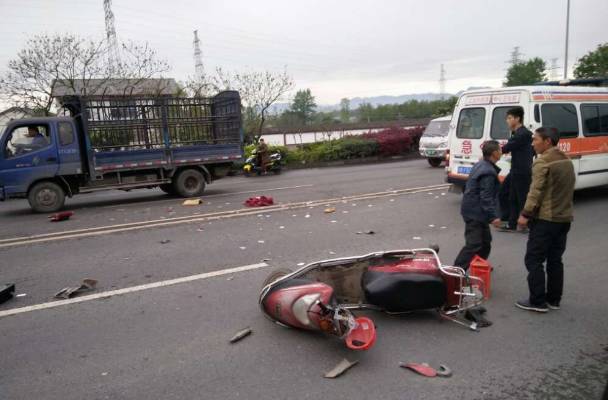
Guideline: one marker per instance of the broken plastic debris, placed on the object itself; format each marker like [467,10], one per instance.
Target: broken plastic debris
[341,368]
[300,264]
[425,369]
[431,226]
[329,210]
[281,227]
[436,197]
[417,238]
[443,194]
[6,292]
[259,201]
[391,200]
[230,278]
[104,374]
[333,221]
[331,252]
[370,205]
[68,292]
[366,233]
[307,216]
[243,248]
[62,216]
[444,227]
[344,212]
[165,241]
[200,229]
[240,335]
[261,241]
[21,295]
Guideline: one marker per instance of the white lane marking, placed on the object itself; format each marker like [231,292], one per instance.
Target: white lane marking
[103,230]
[132,289]
[203,197]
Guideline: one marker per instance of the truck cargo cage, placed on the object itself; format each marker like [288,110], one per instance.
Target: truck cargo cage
[137,123]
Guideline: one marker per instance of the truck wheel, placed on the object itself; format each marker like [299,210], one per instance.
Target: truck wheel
[167,188]
[435,162]
[45,197]
[190,183]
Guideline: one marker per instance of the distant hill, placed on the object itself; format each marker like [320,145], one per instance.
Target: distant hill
[375,101]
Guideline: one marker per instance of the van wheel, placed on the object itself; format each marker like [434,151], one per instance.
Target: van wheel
[167,188]
[190,183]
[46,197]
[435,162]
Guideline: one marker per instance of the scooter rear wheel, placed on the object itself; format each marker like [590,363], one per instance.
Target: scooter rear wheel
[276,274]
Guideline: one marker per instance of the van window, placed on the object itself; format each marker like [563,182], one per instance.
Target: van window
[470,123]
[561,116]
[499,128]
[437,129]
[595,119]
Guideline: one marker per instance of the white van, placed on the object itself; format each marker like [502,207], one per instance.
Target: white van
[434,141]
[579,113]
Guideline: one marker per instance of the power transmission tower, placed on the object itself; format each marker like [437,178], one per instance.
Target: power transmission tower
[442,82]
[516,56]
[198,57]
[113,54]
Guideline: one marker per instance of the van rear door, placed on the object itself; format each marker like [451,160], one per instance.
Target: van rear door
[466,146]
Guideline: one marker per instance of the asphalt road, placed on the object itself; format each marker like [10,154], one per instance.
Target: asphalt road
[172,341]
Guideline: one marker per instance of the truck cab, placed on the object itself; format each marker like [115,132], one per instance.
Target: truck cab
[34,152]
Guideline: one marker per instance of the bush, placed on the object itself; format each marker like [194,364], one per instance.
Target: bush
[395,140]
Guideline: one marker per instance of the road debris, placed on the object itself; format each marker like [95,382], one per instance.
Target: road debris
[62,216]
[333,221]
[21,295]
[329,210]
[431,226]
[200,229]
[71,291]
[243,248]
[165,241]
[417,238]
[104,374]
[7,291]
[345,212]
[366,233]
[259,201]
[476,314]
[425,369]
[307,216]
[240,335]
[281,227]
[340,369]
[301,263]
[230,278]
[261,242]
[192,202]
[444,227]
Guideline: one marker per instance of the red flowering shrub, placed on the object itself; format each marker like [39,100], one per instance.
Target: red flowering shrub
[395,140]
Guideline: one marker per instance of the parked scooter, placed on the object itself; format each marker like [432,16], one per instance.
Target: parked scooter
[251,164]
[321,295]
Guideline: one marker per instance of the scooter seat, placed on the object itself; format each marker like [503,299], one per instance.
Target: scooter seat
[402,292]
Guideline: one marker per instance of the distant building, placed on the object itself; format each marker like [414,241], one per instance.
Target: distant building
[108,88]
[14,113]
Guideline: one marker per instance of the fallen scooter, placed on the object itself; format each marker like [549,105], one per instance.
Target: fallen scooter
[321,295]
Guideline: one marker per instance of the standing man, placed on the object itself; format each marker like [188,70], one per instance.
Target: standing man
[262,155]
[520,148]
[478,207]
[548,212]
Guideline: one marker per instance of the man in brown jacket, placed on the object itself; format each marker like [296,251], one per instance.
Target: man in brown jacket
[548,212]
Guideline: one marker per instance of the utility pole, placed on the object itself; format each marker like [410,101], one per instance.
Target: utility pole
[516,56]
[553,70]
[198,57]
[113,54]
[442,82]
[567,34]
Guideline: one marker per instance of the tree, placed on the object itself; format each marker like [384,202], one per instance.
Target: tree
[365,112]
[345,110]
[593,64]
[83,65]
[304,105]
[526,72]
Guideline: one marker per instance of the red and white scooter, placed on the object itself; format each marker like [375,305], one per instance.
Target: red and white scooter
[321,295]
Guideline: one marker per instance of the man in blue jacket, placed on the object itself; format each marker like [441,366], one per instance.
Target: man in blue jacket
[479,206]
[520,176]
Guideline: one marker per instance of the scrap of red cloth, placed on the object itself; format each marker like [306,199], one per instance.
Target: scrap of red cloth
[62,216]
[259,201]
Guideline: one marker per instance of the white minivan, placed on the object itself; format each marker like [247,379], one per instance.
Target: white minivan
[579,113]
[434,141]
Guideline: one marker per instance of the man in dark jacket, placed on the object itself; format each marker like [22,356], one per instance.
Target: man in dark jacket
[478,207]
[520,148]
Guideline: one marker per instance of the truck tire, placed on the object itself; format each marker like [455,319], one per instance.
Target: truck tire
[167,188]
[189,183]
[46,197]
[435,162]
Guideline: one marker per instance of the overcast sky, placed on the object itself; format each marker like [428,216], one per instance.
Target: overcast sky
[336,48]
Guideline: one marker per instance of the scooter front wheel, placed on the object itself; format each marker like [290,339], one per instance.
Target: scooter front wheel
[276,274]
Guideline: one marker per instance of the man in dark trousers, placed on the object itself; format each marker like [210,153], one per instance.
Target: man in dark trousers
[478,207]
[548,212]
[520,148]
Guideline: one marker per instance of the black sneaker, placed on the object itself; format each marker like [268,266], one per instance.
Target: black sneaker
[553,306]
[526,305]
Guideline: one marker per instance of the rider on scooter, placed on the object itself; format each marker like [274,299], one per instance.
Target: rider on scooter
[262,155]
